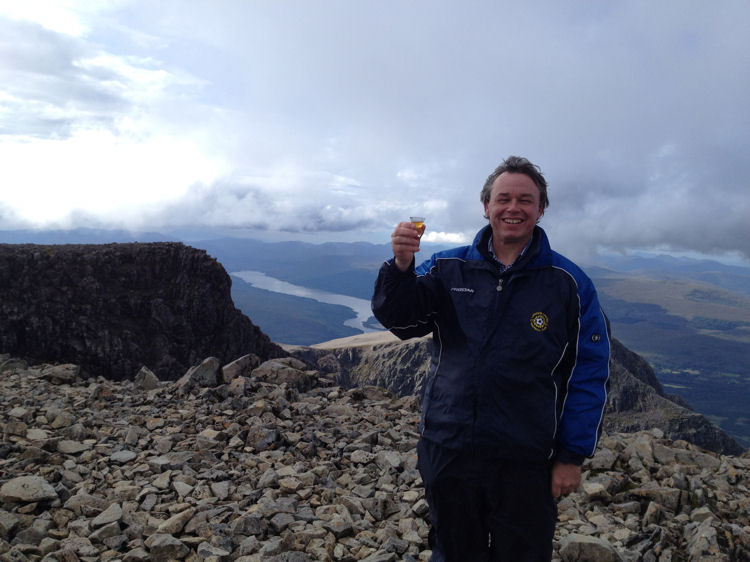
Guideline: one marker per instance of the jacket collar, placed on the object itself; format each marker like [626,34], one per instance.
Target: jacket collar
[539,244]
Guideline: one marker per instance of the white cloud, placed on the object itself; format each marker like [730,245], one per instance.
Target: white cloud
[446,238]
[99,172]
[61,16]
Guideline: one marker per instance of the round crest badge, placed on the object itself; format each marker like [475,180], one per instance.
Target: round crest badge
[539,321]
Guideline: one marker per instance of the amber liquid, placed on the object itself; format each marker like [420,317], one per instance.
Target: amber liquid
[418,224]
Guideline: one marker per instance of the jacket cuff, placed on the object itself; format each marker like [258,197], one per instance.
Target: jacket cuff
[397,271]
[567,457]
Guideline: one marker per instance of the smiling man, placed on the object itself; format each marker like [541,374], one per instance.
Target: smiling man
[513,204]
[515,397]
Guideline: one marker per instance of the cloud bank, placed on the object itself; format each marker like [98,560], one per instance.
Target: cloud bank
[334,120]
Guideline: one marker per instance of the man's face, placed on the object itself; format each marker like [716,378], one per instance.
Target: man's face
[513,208]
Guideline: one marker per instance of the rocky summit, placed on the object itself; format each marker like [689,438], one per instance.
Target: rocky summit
[271,461]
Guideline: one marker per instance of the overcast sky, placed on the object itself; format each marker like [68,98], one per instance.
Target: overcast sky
[333,120]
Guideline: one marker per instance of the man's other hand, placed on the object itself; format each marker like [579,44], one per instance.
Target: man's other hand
[565,479]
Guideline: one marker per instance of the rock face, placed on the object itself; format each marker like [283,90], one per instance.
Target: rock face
[273,462]
[636,401]
[114,308]
[634,404]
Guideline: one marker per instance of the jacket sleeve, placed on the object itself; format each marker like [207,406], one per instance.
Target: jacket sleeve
[404,302]
[586,397]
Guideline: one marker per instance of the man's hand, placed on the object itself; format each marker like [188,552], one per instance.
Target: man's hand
[405,243]
[565,479]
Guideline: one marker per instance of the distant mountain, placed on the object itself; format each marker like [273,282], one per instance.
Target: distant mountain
[730,277]
[81,236]
[319,263]
[348,268]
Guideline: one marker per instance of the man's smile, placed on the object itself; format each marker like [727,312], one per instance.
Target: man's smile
[513,221]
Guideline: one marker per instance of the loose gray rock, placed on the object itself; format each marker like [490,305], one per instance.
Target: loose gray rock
[110,515]
[166,547]
[581,548]
[146,379]
[27,489]
[241,367]
[206,375]
[296,468]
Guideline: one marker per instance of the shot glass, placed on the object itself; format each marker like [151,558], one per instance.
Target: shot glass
[419,223]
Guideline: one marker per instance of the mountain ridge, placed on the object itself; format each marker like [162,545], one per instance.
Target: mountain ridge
[636,400]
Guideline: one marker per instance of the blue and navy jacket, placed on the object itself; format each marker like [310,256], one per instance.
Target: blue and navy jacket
[520,362]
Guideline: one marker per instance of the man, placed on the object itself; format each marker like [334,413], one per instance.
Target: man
[516,394]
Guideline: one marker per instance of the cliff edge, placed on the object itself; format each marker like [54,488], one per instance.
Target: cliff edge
[112,308]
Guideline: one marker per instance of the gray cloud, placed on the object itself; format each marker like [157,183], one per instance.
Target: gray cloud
[636,112]
[45,93]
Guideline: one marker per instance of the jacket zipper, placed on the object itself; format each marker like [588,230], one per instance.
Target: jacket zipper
[475,413]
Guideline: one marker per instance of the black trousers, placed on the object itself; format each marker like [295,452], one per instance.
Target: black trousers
[486,510]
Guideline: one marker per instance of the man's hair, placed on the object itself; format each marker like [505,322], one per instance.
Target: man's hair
[517,165]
